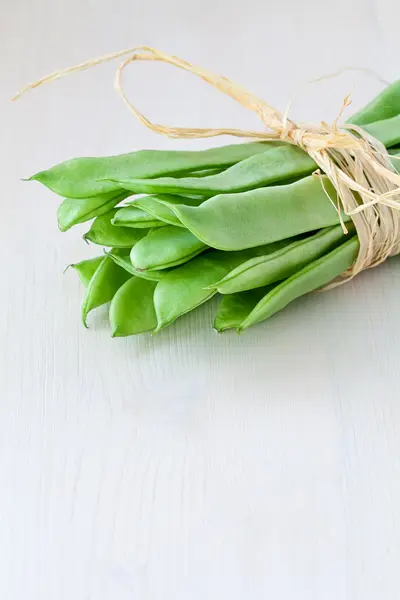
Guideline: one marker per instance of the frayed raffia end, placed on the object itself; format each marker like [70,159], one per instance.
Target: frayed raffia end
[358,165]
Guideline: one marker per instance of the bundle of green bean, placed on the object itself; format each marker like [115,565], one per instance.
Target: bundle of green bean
[246,221]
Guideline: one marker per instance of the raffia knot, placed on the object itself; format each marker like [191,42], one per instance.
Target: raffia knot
[296,135]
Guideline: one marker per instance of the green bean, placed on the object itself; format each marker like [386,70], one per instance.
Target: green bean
[104,233]
[133,216]
[205,172]
[386,131]
[85,177]
[106,280]
[313,276]
[132,308]
[283,262]
[384,106]
[122,258]
[151,274]
[165,247]
[396,163]
[185,287]
[72,211]
[247,219]
[234,308]
[277,163]
[395,160]
[86,269]
[155,206]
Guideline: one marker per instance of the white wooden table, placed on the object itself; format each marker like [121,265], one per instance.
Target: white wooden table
[189,465]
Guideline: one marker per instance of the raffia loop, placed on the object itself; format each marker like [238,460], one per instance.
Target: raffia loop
[359,167]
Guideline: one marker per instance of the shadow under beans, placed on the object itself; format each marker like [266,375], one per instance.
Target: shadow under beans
[328,327]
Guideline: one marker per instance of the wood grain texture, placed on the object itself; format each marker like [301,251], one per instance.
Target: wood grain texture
[189,465]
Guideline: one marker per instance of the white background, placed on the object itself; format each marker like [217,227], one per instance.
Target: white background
[188,466]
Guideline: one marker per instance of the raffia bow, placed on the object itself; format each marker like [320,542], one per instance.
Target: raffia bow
[358,165]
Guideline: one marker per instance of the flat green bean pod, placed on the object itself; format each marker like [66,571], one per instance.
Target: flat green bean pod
[122,257]
[386,131]
[283,262]
[385,106]
[132,308]
[106,280]
[395,158]
[234,308]
[166,247]
[155,206]
[277,163]
[280,163]
[72,211]
[205,172]
[187,286]
[104,233]
[133,216]
[184,288]
[248,219]
[85,177]
[86,268]
[311,277]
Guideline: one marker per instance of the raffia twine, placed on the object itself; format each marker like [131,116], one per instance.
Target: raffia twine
[358,165]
